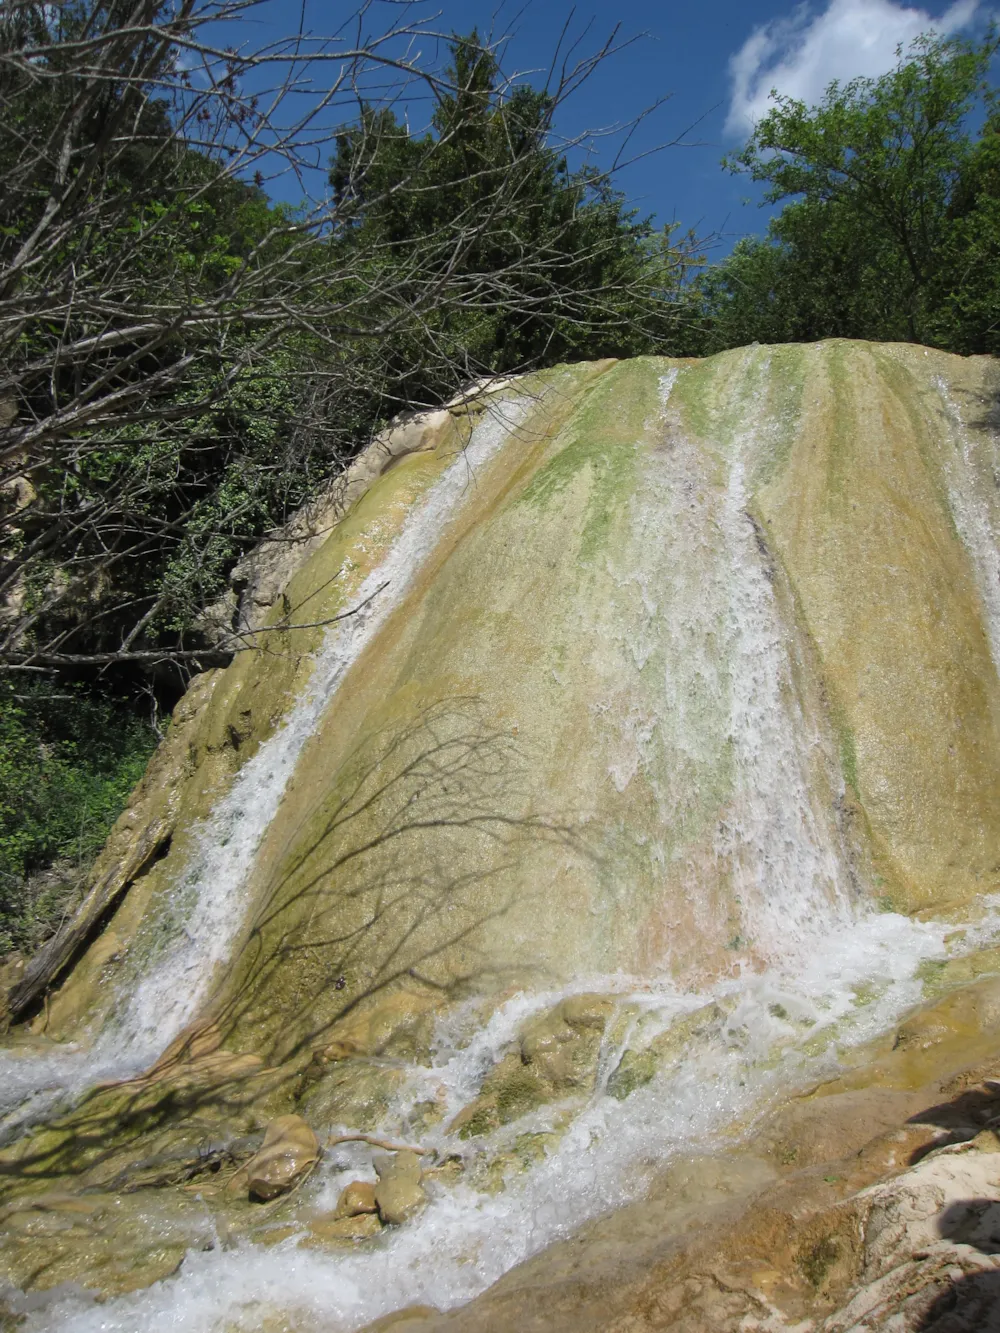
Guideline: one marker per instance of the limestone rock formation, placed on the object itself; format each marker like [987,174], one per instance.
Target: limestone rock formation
[605,802]
[556,1055]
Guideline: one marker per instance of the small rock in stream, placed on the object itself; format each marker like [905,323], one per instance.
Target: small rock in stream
[360,1227]
[356,1198]
[290,1149]
[398,1193]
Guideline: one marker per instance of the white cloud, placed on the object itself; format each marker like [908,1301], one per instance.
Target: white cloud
[800,55]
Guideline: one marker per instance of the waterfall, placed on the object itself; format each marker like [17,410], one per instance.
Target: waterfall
[788,870]
[192,933]
[712,693]
[465,1240]
[693,693]
[722,735]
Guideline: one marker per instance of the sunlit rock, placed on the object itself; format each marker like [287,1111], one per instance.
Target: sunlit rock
[290,1150]
[398,1193]
[357,1226]
[618,759]
[356,1198]
[640,1064]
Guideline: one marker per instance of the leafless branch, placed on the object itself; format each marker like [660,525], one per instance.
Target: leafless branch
[155,309]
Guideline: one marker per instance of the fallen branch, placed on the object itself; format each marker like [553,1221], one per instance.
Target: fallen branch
[377,1143]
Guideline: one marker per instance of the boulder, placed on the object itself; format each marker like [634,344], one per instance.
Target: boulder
[290,1149]
[557,1054]
[639,1065]
[591,1010]
[398,1193]
[511,1089]
[563,1045]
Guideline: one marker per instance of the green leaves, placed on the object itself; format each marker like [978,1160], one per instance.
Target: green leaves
[68,761]
[484,199]
[889,229]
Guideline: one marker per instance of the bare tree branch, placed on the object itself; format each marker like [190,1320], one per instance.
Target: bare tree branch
[157,312]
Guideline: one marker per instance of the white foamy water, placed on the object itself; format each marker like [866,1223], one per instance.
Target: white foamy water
[465,1240]
[723,739]
[193,932]
[787,867]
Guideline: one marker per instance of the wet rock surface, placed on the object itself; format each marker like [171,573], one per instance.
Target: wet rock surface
[639,1065]
[399,1193]
[361,1226]
[556,1056]
[852,1210]
[356,1198]
[502,801]
[289,1151]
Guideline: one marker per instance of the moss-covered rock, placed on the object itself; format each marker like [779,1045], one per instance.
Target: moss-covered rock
[557,1055]
[639,1065]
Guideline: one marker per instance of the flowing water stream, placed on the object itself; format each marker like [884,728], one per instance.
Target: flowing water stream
[192,934]
[816,967]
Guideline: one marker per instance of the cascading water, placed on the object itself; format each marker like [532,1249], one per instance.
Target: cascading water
[699,703]
[193,932]
[722,734]
[787,869]
[465,1240]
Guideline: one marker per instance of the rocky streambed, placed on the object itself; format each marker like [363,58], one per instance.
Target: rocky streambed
[869,1201]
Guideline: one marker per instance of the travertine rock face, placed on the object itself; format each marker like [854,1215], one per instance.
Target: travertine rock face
[854,1210]
[570,642]
[629,713]
[931,1247]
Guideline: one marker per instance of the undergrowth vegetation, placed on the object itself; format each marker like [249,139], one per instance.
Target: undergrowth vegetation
[68,760]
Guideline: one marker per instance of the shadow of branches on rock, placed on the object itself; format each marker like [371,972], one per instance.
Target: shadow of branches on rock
[393,872]
[390,876]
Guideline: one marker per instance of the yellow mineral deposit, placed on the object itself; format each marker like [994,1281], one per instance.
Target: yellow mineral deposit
[601,833]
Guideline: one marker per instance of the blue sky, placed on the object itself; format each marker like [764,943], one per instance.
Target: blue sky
[715,62]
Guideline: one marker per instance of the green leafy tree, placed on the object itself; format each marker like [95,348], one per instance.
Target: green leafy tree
[181,364]
[577,274]
[889,211]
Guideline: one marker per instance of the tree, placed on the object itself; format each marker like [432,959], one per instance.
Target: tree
[887,200]
[569,256]
[181,362]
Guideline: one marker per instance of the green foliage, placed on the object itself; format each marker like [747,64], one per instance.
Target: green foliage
[199,361]
[891,222]
[68,760]
[135,526]
[182,364]
[599,281]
